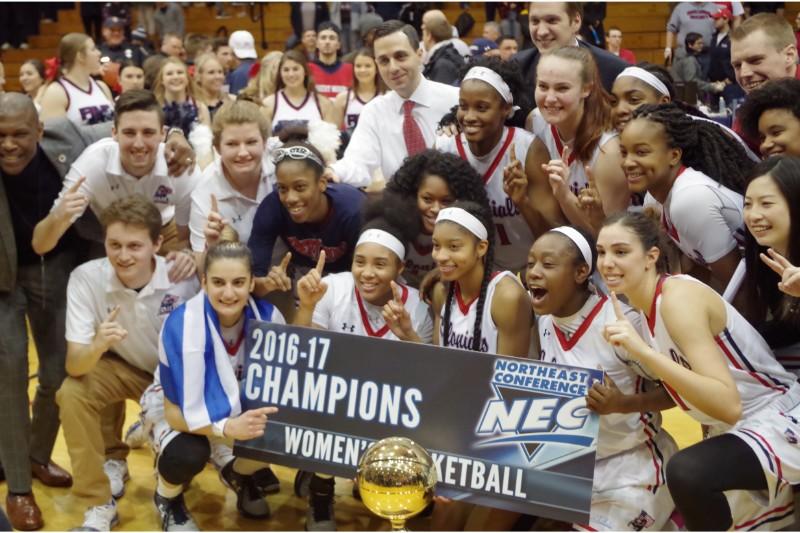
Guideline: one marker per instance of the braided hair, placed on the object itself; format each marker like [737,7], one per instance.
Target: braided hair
[484,214]
[462,180]
[705,146]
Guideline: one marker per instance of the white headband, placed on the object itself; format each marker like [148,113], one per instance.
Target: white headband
[385,239]
[494,79]
[465,219]
[579,240]
[647,77]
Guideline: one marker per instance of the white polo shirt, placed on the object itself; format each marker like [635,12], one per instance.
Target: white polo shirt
[107,181]
[234,207]
[94,290]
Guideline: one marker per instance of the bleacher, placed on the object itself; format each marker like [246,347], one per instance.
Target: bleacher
[642,23]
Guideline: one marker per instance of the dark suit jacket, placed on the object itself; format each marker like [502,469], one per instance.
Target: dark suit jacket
[62,143]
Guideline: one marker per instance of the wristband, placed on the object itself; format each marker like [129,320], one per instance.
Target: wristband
[218,427]
[174,130]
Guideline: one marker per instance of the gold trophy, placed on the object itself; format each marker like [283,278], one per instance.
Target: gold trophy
[396,478]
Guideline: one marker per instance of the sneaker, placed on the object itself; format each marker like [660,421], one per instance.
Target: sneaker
[250,490]
[301,481]
[319,515]
[117,472]
[5,46]
[24,46]
[100,518]
[136,436]
[174,514]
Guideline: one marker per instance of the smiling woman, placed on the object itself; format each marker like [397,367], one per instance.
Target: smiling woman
[771,114]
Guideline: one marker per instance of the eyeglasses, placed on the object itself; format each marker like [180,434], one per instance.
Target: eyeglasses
[297,153]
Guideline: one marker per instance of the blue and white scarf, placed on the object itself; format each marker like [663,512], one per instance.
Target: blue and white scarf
[195,368]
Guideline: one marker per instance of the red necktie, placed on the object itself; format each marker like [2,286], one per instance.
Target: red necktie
[412,135]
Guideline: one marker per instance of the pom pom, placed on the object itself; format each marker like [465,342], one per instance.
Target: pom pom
[326,138]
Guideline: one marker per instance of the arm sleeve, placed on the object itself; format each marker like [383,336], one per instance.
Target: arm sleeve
[184,186]
[674,24]
[165,371]
[363,154]
[266,229]
[197,222]
[698,216]
[81,322]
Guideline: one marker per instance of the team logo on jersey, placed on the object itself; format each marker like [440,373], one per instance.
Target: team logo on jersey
[161,196]
[539,408]
[348,327]
[168,304]
[791,436]
[96,114]
[643,521]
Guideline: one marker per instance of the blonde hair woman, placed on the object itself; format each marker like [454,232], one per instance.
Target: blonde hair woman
[175,92]
[209,78]
[75,94]
[265,83]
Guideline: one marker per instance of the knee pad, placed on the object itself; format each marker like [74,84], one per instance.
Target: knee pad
[183,458]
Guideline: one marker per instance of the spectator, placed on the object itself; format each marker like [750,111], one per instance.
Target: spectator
[32,80]
[114,48]
[553,25]
[614,45]
[508,46]
[481,46]
[720,68]
[797,30]
[443,62]
[380,141]
[688,70]
[694,17]
[491,31]
[265,83]
[754,8]
[244,48]
[131,76]
[592,24]
[209,79]
[172,46]
[175,92]
[92,18]
[309,41]
[196,44]
[168,18]
[331,76]
[307,16]
[224,54]
[509,19]
[140,41]
[19,21]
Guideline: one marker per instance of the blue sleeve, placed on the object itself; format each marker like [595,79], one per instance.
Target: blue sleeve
[267,225]
[170,361]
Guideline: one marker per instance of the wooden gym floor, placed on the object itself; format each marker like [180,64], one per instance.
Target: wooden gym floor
[214,507]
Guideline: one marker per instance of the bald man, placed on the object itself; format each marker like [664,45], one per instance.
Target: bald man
[442,61]
[33,161]
[437,17]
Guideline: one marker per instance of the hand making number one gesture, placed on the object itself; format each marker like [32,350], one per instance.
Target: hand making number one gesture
[515,182]
[311,288]
[557,171]
[397,317]
[621,333]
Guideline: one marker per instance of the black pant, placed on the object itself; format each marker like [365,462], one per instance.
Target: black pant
[698,475]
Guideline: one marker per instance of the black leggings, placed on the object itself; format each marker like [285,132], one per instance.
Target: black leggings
[698,475]
[183,458]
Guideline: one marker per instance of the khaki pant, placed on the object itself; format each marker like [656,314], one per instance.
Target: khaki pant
[84,418]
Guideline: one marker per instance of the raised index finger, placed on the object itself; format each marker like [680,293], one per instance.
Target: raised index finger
[513,154]
[617,306]
[285,261]
[77,184]
[214,204]
[565,155]
[396,292]
[779,258]
[321,262]
[590,176]
[112,316]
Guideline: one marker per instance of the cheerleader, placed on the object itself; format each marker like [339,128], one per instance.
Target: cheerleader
[174,90]
[718,369]
[367,84]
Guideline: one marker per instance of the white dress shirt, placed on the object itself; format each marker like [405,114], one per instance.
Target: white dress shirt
[234,207]
[107,181]
[378,142]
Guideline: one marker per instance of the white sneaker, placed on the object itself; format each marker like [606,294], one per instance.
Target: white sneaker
[136,436]
[117,472]
[100,518]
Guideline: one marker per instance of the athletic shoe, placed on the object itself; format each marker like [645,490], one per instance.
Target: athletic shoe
[319,515]
[136,436]
[100,518]
[250,490]
[174,514]
[301,481]
[117,472]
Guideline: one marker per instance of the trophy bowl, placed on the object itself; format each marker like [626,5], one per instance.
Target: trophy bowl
[396,477]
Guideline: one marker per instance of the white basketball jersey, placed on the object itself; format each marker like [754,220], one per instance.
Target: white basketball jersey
[419,259]
[716,224]
[462,319]
[342,309]
[285,113]
[577,173]
[87,107]
[587,348]
[760,379]
[513,236]
[352,111]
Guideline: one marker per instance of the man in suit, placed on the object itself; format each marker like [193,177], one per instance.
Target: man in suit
[33,161]
[554,25]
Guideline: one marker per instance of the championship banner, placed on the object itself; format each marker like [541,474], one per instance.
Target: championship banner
[503,432]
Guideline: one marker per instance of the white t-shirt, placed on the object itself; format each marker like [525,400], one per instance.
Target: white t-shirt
[94,290]
[107,181]
[703,218]
[513,236]
[342,309]
[234,207]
